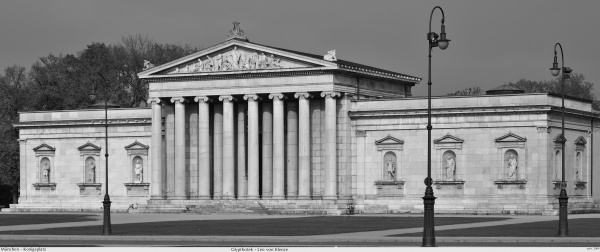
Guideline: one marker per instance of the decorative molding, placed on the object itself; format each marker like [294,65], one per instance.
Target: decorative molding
[510,137]
[44,147]
[237,32]
[203,98]
[398,184]
[559,185]
[580,141]
[37,186]
[580,185]
[543,129]
[361,133]
[448,139]
[389,143]
[279,96]
[303,95]
[331,94]
[154,99]
[138,144]
[178,99]
[458,183]
[252,96]
[502,183]
[229,98]
[89,188]
[137,189]
[92,147]
[330,56]
[72,123]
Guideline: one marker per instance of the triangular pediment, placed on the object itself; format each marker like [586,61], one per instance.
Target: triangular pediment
[137,146]
[44,147]
[89,146]
[580,141]
[448,139]
[389,140]
[559,138]
[235,56]
[511,137]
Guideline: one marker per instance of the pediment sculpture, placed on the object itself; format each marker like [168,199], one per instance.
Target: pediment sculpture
[227,61]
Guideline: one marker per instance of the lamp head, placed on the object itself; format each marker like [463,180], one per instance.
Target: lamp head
[555,70]
[93,96]
[443,41]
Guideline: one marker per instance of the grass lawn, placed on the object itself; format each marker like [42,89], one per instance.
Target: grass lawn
[259,227]
[577,228]
[27,219]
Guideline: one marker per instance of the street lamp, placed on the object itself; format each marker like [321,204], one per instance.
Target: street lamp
[106,227]
[563,200]
[429,199]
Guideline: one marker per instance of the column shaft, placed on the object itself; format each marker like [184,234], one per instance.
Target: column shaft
[228,148]
[303,145]
[218,152]
[330,145]
[156,150]
[267,151]
[180,182]
[203,147]
[292,150]
[253,148]
[242,176]
[278,147]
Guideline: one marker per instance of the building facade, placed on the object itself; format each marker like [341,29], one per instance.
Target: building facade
[247,127]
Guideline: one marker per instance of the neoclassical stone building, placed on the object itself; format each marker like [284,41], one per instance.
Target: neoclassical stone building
[244,127]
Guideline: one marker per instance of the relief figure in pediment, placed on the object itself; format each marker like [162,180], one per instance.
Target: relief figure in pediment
[218,61]
[253,61]
[209,64]
[262,61]
[199,66]
[235,58]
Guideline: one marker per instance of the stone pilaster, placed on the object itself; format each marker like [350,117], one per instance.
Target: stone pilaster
[278,146]
[180,185]
[228,147]
[203,147]
[267,151]
[253,148]
[303,145]
[330,145]
[156,186]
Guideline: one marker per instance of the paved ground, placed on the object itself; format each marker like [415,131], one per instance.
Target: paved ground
[33,234]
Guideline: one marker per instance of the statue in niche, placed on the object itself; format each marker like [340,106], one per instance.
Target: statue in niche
[147,65]
[391,169]
[91,171]
[138,169]
[557,166]
[45,171]
[330,56]
[512,167]
[578,165]
[450,167]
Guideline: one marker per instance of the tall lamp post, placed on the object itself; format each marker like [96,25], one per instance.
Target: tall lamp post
[106,227]
[563,200]
[429,199]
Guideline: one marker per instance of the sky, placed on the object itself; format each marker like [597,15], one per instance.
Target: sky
[492,42]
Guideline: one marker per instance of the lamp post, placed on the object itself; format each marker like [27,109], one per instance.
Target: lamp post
[429,199]
[106,227]
[563,200]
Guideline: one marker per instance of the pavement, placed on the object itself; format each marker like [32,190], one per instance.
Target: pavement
[378,238]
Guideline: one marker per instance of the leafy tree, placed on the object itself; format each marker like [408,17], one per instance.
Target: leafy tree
[467,92]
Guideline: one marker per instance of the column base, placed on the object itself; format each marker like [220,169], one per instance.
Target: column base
[278,197]
[203,197]
[177,197]
[243,197]
[157,197]
[330,197]
[303,197]
[253,197]
[228,197]
[267,197]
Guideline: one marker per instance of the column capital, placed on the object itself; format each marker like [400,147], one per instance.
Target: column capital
[154,99]
[178,99]
[252,96]
[279,96]
[303,95]
[227,97]
[202,98]
[331,94]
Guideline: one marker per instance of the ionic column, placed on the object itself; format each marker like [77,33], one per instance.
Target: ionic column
[278,147]
[253,148]
[303,145]
[218,151]
[228,148]
[330,145]
[156,150]
[292,150]
[203,147]
[179,147]
[267,151]
[242,177]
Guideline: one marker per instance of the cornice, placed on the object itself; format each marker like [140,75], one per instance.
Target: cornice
[95,122]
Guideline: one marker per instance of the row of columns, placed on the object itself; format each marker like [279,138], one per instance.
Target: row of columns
[273,148]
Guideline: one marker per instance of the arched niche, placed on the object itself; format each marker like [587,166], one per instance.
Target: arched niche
[512,160]
[511,164]
[581,163]
[389,151]
[557,165]
[449,165]
[390,166]
[90,170]
[91,165]
[45,169]
[139,169]
[448,156]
